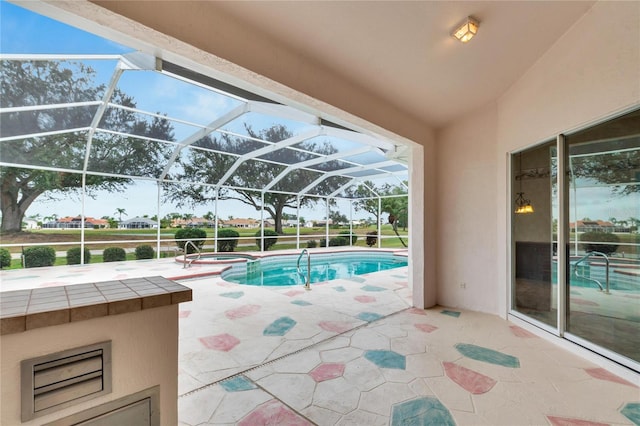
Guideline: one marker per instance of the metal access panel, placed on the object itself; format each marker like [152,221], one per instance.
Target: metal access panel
[59,380]
[138,409]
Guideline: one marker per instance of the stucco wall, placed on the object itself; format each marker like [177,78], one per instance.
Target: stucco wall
[466,205]
[144,354]
[591,72]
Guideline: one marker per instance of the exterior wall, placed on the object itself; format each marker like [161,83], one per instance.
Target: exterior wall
[466,212]
[144,354]
[593,71]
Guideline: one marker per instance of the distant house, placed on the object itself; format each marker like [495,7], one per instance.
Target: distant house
[592,226]
[69,222]
[290,223]
[243,223]
[138,223]
[30,224]
[196,222]
[322,222]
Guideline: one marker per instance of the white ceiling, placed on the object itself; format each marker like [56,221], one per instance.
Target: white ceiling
[402,52]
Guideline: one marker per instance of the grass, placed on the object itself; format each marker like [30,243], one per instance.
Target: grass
[99,239]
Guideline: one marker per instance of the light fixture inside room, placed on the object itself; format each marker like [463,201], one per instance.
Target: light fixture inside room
[466,30]
[523,205]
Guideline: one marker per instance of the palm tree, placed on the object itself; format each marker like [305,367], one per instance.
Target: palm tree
[120,212]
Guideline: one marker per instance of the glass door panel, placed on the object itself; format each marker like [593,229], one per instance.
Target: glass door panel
[534,220]
[604,244]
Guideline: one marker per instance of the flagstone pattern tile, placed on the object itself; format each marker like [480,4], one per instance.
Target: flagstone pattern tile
[632,412]
[230,373]
[421,411]
[279,327]
[491,356]
[341,364]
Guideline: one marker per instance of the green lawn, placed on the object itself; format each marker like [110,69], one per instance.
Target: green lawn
[99,239]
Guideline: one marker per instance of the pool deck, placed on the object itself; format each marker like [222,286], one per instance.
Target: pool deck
[354,352]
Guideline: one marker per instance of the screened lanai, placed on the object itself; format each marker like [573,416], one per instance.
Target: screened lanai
[89,125]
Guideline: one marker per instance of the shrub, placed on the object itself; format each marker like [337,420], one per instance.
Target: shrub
[145,251]
[5,258]
[338,241]
[596,240]
[73,256]
[195,235]
[372,238]
[39,256]
[114,254]
[312,244]
[270,238]
[227,239]
[346,234]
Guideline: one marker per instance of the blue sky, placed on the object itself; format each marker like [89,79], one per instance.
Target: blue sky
[22,31]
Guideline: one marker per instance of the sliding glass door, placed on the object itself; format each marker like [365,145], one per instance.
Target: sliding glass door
[597,302]
[604,210]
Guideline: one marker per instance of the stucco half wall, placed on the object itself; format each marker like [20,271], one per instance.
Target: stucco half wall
[144,354]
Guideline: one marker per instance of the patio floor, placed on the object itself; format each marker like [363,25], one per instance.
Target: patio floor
[353,352]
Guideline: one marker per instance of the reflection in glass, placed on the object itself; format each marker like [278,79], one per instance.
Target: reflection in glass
[604,211]
[534,235]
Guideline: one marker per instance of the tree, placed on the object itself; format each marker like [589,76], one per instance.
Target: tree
[396,206]
[25,83]
[120,212]
[209,165]
[615,168]
[337,218]
[112,222]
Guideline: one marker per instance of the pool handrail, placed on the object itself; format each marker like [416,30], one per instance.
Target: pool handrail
[186,246]
[587,256]
[307,279]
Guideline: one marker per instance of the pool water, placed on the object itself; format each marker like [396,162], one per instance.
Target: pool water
[284,272]
[617,281]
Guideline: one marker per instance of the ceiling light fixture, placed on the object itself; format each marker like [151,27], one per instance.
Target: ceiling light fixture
[466,30]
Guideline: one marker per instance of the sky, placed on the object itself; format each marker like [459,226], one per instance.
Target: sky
[22,31]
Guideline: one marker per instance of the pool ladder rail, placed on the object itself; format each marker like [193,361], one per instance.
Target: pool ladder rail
[305,278]
[604,289]
[186,264]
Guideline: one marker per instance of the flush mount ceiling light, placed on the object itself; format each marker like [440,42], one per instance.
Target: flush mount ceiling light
[466,30]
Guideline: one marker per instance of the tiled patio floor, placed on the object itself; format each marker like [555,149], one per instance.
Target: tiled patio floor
[353,352]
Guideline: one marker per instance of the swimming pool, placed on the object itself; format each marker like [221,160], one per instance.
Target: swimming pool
[619,276]
[282,270]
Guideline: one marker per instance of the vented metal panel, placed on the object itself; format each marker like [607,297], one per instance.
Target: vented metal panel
[55,381]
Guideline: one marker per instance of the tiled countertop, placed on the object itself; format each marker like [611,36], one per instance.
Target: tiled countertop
[23,310]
